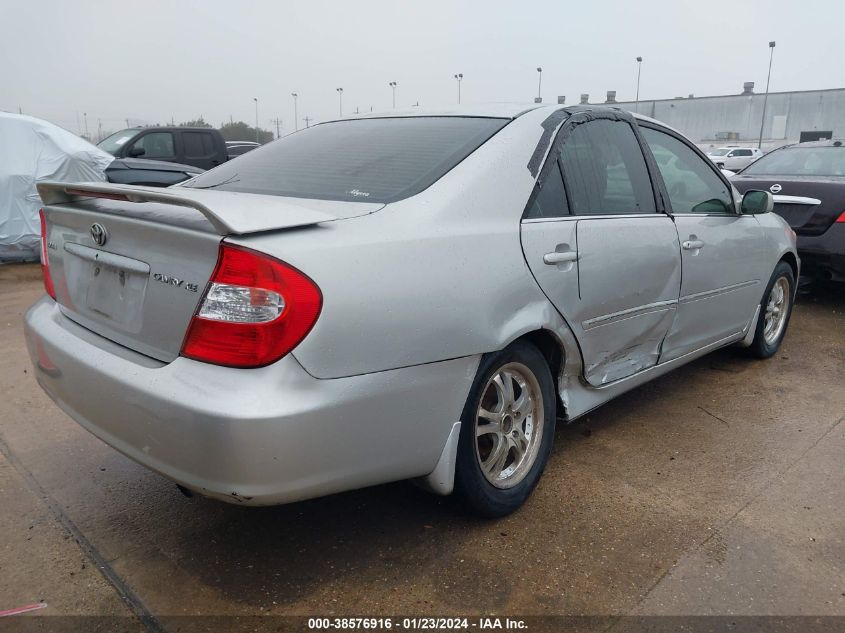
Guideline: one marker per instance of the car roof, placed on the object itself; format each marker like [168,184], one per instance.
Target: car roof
[486,110]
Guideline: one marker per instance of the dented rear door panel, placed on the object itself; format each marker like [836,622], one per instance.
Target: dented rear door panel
[619,296]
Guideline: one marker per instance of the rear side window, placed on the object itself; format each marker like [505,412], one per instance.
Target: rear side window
[604,170]
[692,184]
[364,160]
[198,144]
[549,197]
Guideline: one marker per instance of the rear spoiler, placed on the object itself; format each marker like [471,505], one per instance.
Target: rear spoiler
[228,212]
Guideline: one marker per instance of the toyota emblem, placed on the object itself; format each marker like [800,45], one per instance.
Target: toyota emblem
[775,188]
[99,234]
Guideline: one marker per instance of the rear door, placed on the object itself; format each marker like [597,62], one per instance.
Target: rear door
[599,248]
[722,251]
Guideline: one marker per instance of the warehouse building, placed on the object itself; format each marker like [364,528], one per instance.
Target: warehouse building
[790,117]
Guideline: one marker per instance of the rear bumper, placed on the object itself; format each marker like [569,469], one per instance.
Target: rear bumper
[825,253]
[258,436]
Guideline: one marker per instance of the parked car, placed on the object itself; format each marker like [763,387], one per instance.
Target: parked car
[734,158]
[238,148]
[808,183]
[425,304]
[201,147]
[153,173]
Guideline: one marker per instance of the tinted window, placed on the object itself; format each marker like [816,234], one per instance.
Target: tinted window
[800,161]
[156,145]
[549,196]
[692,184]
[604,170]
[365,160]
[742,152]
[198,144]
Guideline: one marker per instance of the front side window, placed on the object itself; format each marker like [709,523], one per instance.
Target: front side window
[155,145]
[692,184]
[604,170]
[361,160]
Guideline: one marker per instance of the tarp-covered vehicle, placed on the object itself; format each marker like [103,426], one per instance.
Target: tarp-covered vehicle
[31,151]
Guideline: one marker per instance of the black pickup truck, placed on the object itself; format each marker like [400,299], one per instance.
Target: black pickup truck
[201,147]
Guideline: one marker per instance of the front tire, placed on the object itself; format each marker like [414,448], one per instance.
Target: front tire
[775,310]
[507,430]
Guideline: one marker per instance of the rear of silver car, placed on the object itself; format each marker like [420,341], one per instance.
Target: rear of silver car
[129,269]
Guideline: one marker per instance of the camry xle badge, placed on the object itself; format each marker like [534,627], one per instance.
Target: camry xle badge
[775,188]
[99,234]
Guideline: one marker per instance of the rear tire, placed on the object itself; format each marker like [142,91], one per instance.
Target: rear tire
[775,311]
[507,430]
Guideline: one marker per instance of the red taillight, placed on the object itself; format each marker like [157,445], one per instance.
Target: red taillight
[841,218]
[255,310]
[45,262]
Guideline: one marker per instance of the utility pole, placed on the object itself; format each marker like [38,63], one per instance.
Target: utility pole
[307,121]
[766,98]
[278,123]
[393,85]
[539,98]
[85,116]
[295,116]
[340,97]
[459,78]
[99,130]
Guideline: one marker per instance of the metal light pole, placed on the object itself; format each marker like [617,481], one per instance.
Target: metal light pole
[295,119]
[539,85]
[87,135]
[340,98]
[392,84]
[256,118]
[766,97]
[639,70]
[459,78]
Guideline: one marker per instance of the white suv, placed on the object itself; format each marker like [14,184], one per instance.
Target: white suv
[733,158]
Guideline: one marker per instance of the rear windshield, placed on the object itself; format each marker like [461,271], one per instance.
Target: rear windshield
[800,161]
[363,160]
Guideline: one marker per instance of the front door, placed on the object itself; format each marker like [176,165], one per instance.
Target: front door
[600,250]
[722,281]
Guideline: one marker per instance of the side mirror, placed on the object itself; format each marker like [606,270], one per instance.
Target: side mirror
[135,152]
[754,202]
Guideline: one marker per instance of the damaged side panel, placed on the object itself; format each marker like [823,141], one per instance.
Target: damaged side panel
[619,292]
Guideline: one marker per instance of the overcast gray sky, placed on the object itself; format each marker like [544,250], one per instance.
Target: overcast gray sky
[153,60]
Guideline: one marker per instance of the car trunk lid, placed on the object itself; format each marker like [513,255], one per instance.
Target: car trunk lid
[132,263]
[809,204]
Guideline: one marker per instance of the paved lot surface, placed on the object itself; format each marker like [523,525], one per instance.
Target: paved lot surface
[718,489]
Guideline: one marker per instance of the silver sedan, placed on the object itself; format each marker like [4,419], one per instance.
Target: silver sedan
[415,296]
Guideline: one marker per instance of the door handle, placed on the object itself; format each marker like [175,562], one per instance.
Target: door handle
[692,245]
[560,258]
